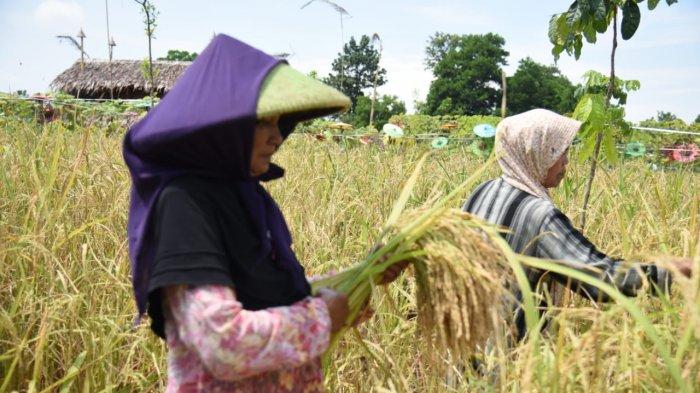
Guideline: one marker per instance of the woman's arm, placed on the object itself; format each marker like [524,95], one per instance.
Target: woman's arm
[234,343]
[559,240]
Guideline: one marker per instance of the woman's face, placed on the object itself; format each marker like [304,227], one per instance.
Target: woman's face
[557,171]
[266,141]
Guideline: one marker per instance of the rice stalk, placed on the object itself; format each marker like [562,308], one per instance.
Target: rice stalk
[459,282]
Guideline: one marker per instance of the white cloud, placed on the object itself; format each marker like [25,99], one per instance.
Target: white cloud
[59,13]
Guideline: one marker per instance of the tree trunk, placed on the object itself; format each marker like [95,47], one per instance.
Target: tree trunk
[374,98]
[599,136]
[505,92]
[150,57]
[342,48]
[109,50]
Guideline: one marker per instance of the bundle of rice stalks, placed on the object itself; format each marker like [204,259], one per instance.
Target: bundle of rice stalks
[459,271]
[459,280]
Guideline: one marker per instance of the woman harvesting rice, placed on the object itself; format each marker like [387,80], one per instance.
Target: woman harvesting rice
[211,254]
[533,153]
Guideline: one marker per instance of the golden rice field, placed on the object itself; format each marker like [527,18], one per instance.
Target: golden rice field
[66,309]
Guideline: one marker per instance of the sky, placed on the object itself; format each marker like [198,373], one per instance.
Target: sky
[664,54]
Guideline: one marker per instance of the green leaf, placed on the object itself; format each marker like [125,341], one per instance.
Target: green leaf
[587,143]
[632,85]
[590,33]
[600,11]
[583,108]
[552,32]
[563,28]
[600,25]
[630,19]
[652,4]
[626,127]
[578,44]
[585,6]
[669,2]
[594,78]
[609,148]
[556,51]
[573,16]
[591,110]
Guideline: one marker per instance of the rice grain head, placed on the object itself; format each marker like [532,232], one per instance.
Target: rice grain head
[460,281]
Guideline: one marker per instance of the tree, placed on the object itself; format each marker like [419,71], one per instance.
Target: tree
[354,69]
[697,120]
[467,70]
[385,107]
[665,116]
[586,19]
[438,46]
[536,85]
[149,20]
[179,55]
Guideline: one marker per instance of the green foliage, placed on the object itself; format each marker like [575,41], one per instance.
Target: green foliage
[597,118]
[536,85]
[665,116]
[12,106]
[149,20]
[465,68]
[425,124]
[671,124]
[147,69]
[585,19]
[630,19]
[438,46]
[385,107]
[597,83]
[697,120]
[358,63]
[149,12]
[179,55]
[113,116]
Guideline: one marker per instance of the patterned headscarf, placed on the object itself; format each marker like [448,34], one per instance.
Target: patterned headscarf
[529,144]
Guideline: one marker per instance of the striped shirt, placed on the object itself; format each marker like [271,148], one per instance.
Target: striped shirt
[537,228]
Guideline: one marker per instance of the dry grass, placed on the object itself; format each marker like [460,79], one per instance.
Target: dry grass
[65,298]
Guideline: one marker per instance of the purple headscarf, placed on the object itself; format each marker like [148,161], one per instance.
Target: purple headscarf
[204,127]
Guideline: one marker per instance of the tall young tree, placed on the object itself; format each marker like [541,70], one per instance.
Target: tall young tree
[149,20]
[537,85]
[354,69]
[585,19]
[467,70]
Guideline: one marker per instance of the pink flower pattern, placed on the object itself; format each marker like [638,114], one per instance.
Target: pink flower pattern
[214,345]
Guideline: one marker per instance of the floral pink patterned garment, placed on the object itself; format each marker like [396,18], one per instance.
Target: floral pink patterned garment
[214,345]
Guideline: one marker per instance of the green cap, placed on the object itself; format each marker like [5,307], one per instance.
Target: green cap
[286,91]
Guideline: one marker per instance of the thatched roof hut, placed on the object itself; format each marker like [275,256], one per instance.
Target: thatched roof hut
[116,79]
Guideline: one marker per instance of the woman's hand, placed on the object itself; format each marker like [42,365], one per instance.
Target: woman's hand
[393,271]
[338,308]
[683,265]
